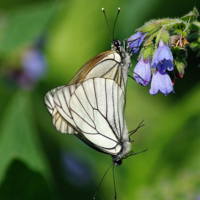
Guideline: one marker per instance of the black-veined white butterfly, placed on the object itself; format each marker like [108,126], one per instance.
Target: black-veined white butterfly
[92,105]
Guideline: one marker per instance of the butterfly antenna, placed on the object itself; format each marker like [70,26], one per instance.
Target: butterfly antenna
[107,23]
[114,182]
[102,181]
[116,21]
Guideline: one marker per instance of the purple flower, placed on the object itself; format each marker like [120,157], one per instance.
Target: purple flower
[34,64]
[142,71]
[161,82]
[135,41]
[77,169]
[162,59]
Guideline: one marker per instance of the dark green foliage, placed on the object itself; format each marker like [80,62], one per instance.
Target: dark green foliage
[21,183]
[31,150]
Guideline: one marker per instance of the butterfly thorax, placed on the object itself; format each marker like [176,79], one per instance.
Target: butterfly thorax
[117,159]
[125,63]
[116,45]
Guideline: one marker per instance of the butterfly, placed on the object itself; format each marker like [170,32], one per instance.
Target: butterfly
[91,106]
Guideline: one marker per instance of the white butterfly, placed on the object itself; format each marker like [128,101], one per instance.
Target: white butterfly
[92,105]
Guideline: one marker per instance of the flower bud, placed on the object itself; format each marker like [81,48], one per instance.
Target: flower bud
[180,66]
[147,49]
[135,41]
[164,35]
[149,27]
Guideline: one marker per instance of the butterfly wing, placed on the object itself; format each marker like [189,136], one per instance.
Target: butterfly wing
[58,121]
[104,65]
[96,111]
[92,104]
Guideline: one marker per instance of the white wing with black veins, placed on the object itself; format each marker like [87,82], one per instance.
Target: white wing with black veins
[94,109]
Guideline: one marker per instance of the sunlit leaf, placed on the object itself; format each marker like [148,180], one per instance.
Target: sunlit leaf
[25,24]
[18,139]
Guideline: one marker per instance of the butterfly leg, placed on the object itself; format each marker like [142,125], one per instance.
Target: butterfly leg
[133,131]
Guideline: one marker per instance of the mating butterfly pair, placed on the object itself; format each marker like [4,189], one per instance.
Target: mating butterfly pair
[92,105]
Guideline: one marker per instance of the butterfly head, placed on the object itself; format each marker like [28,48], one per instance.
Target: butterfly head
[117,162]
[116,45]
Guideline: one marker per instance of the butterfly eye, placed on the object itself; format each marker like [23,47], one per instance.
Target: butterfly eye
[117,43]
[118,163]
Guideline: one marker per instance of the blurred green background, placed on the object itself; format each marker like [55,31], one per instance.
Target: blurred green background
[37,162]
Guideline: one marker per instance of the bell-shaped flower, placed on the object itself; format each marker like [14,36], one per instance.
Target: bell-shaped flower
[142,71]
[162,59]
[161,82]
[135,41]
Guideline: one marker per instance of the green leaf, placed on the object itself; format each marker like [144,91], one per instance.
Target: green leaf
[179,52]
[178,26]
[26,24]
[192,15]
[149,27]
[24,183]
[195,26]
[18,139]
[193,36]
[198,54]
[195,45]
[147,52]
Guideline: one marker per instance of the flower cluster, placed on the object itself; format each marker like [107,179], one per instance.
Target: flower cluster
[162,57]
[34,64]
[161,62]
[31,68]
